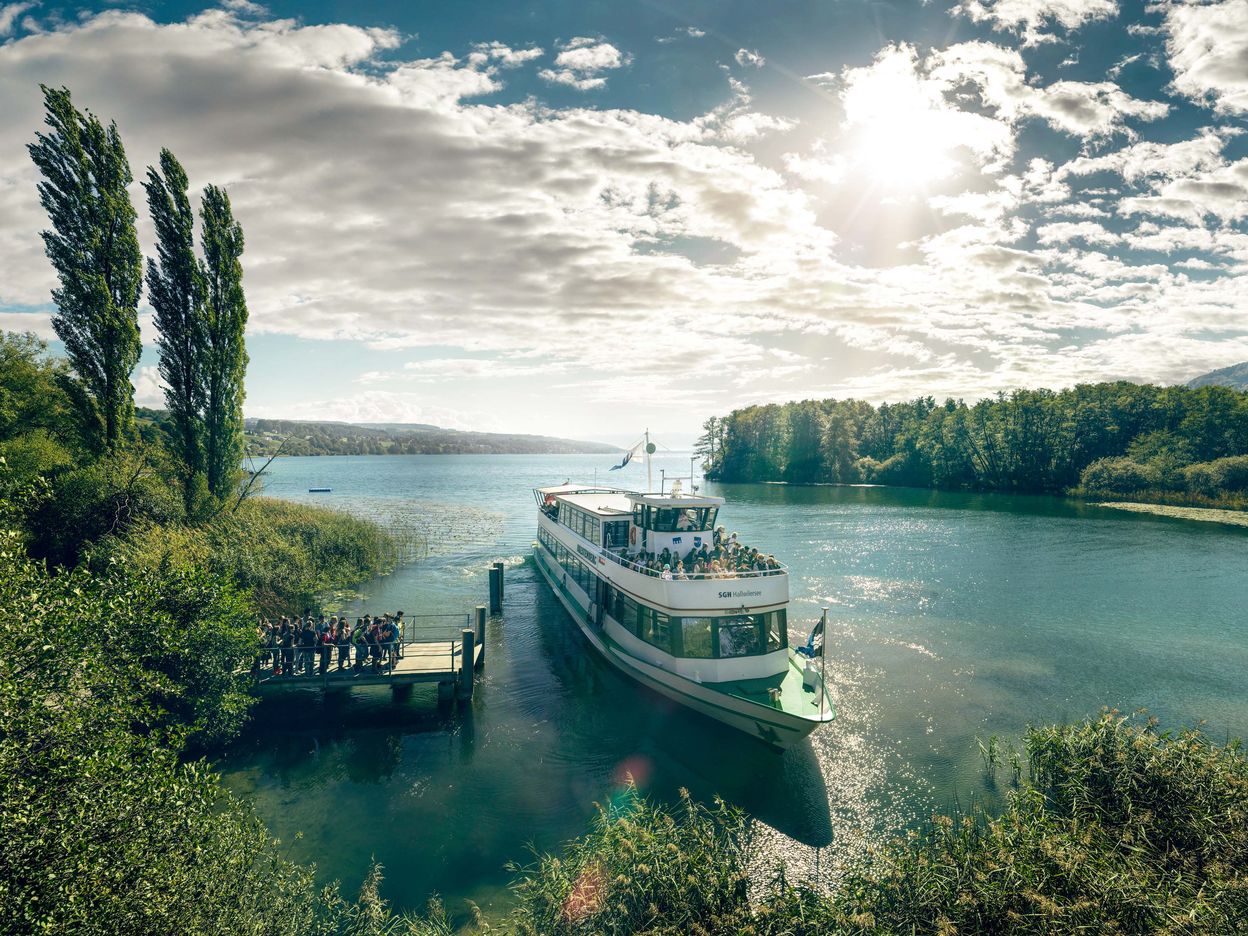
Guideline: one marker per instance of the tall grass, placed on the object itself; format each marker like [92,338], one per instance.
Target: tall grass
[285,554]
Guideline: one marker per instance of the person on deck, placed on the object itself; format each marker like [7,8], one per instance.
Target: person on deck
[401,627]
[343,641]
[359,640]
[287,641]
[307,646]
[327,638]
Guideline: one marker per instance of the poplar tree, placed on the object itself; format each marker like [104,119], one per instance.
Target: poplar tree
[95,251]
[176,288]
[225,317]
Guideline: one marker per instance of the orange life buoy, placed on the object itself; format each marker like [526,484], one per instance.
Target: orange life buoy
[632,535]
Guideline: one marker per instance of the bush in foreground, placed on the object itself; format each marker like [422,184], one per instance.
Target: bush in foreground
[106,828]
[1123,829]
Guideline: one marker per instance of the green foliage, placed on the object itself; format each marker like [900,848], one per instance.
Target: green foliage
[106,831]
[94,249]
[1123,829]
[1104,438]
[225,352]
[176,288]
[31,395]
[107,496]
[641,869]
[297,437]
[283,554]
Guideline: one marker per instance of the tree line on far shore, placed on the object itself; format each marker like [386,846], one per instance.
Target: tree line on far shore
[1149,442]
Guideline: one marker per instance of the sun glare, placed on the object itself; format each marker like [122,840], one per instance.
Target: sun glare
[899,132]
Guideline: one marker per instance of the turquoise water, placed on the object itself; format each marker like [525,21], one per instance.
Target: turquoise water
[954,616]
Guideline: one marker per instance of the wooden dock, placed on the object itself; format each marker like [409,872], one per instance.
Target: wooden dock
[432,652]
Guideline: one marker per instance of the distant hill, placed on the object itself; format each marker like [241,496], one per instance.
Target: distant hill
[338,438]
[1234,376]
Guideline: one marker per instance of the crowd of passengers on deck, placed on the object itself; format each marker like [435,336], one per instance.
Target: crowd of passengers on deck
[724,558]
[306,646]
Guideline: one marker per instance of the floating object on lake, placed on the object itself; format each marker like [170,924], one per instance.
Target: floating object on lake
[319,490]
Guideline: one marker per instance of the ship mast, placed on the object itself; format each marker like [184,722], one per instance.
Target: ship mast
[649,473]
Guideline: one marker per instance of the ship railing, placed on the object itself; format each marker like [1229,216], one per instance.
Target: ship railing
[621,559]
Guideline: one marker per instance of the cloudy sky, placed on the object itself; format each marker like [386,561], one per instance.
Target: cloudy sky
[586,217]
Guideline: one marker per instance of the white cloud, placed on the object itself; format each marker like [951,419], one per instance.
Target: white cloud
[1032,18]
[382,406]
[402,207]
[504,55]
[149,389]
[1061,232]
[580,63]
[1207,45]
[9,13]
[749,57]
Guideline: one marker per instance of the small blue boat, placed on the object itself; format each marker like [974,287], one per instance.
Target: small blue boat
[319,490]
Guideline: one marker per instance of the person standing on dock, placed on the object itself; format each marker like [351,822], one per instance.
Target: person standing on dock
[343,640]
[307,646]
[327,639]
[398,623]
[359,641]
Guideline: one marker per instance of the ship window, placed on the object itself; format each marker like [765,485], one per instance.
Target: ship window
[696,634]
[777,630]
[740,636]
[626,613]
[655,629]
[616,533]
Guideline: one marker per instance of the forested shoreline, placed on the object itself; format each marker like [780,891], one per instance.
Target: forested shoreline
[1167,444]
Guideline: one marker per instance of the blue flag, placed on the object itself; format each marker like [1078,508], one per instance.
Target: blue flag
[628,456]
[814,643]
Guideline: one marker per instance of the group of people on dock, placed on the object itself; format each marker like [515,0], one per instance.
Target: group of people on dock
[726,557]
[304,646]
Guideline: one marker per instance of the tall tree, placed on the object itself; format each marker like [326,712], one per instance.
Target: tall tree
[176,288]
[95,252]
[226,361]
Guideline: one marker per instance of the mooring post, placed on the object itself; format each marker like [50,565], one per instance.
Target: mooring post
[502,585]
[496,589]
[466,664]
[481,633]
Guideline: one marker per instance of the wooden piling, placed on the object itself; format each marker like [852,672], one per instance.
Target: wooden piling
[481,635]
[496,589]
[502,587]
[467,664]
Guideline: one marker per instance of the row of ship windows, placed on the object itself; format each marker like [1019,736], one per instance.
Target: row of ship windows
[722,637]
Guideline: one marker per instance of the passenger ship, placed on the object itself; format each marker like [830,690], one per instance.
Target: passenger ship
[716,644]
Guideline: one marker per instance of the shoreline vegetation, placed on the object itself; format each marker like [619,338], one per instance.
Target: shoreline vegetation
[266,437]
[1119,441]
[132,570]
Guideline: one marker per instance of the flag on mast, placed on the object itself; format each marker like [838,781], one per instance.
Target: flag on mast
[628,456]
[814,643]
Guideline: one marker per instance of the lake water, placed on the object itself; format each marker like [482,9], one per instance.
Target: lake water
[953,617]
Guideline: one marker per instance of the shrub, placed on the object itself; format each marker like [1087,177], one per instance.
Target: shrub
[109,496]
[1119,475]
[1218,477]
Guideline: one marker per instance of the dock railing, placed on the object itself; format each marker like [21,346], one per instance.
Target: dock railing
[425,630]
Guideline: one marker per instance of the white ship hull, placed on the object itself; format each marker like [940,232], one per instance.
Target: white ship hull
[772,725]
